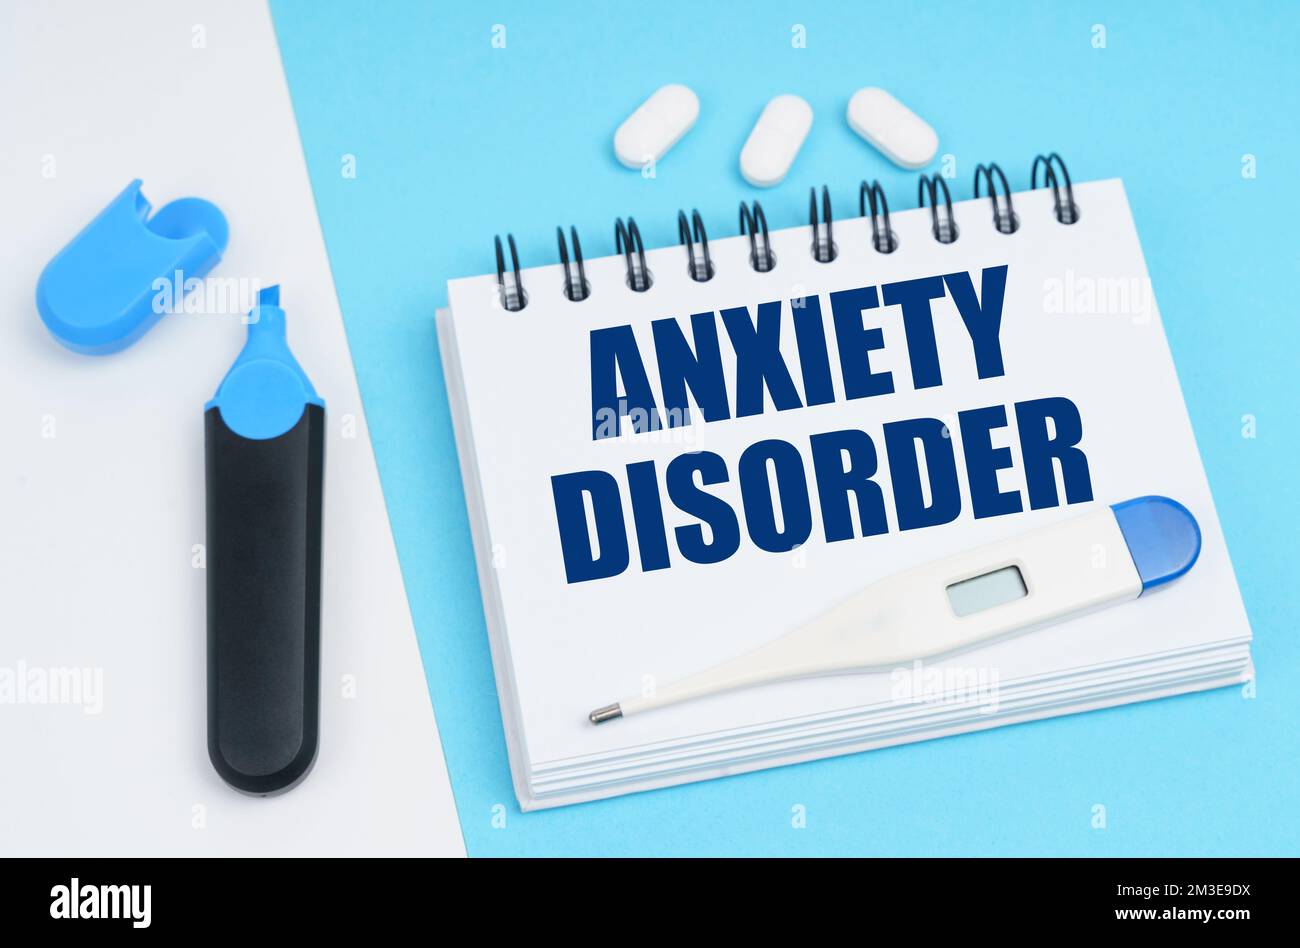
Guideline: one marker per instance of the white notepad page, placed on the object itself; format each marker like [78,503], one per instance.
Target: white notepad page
[1079,321]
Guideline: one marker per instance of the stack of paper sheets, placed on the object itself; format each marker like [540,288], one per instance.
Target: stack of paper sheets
[1078,322]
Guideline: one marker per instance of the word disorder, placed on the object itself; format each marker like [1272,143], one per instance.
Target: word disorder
[776,477]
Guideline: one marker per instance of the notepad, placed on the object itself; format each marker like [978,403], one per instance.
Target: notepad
[669,461]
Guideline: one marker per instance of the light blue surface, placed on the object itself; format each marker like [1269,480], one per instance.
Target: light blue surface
[455,141]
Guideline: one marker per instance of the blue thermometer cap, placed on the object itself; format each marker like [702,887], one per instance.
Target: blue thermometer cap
[266,391]
[1162,536]
[118,277]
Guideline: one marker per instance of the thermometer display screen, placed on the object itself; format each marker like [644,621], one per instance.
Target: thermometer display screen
[987,590]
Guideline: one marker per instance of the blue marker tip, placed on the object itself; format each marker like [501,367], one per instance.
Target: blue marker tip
[266,391]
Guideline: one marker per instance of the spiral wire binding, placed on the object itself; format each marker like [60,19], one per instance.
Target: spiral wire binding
[513,297]
[1005,222]
[754,222]
[700,269]
[627,239]
[579,289]
[884,240]
[944,231]
[1067,212]
[823,248]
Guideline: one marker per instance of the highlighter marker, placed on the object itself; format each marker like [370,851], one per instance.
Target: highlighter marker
[265,454]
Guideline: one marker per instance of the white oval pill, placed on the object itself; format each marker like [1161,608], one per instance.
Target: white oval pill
[900,134]
[656,125]
[775,141]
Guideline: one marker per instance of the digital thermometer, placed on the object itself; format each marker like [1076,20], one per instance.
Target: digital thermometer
[1107,556]
[265,450]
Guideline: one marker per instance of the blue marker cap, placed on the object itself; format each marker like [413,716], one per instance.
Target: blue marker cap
[101,292]
[1162,536]
[266,391]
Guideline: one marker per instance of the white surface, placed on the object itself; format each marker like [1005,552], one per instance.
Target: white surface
[900,134]
[560,650]
[657,124]
[100,519]
[775,141]
[1072,567]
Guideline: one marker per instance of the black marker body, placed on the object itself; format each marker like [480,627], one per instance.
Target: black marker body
[264,583]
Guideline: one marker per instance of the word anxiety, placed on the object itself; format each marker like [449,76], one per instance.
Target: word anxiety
[776,477]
